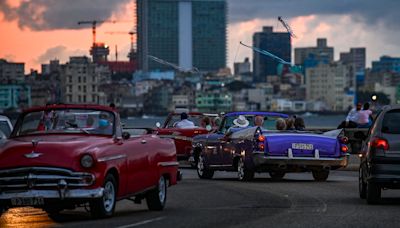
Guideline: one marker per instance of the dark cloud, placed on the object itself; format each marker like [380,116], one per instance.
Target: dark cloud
[368,11]
[59,14]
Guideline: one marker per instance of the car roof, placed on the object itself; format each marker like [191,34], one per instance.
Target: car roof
[70,106]
[258,113]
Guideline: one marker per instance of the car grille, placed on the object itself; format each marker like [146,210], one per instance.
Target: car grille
[42,178]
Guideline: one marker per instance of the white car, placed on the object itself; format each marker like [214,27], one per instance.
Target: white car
[5,127]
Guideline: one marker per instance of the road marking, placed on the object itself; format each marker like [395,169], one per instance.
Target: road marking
[142,222]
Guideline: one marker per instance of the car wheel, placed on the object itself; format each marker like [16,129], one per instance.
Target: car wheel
[320,175]
[104,207]
[244,173]
[277,175]
[157,197]
[202,171]
[362,186]
[373,193]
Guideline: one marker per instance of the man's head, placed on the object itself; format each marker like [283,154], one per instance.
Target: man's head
[259,121]
[359,106]
[184,116]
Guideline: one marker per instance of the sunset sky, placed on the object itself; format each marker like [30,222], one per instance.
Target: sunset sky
[37,31]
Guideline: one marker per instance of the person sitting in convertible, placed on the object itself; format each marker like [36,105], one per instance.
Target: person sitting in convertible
[184,122]
[239,123]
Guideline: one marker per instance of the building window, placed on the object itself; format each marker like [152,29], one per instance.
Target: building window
[79,88]
[93,98]
[84,79]
[94,88]
[84,99]
[79,79]
[84,89]
[70,79]
[70,89]
[79,98]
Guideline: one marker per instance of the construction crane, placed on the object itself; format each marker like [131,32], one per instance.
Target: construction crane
[131,33]
[94,25]
[176,67]
[288,28]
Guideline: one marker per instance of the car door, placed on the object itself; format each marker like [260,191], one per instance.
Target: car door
[212,149]
[138,163]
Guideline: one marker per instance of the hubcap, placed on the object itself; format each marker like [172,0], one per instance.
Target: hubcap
[109,196]
[200,166]
[240,169]
[161,189]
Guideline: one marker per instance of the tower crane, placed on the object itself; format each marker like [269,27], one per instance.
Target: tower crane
[131,33]
[288,28]
[94,25]
[176,67]
[132,53]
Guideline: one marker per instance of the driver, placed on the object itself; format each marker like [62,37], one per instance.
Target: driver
[104,127]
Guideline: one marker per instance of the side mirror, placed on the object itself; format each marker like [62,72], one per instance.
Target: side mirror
[360,135]
[126,135]
[158,124]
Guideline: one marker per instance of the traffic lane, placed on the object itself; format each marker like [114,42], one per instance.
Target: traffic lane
[295,201]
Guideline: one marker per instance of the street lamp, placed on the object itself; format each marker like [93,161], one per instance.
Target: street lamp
[374,97]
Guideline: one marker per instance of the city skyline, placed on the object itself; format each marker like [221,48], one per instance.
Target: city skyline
[39,31]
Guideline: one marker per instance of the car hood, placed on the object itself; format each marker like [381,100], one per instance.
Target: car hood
[51,150]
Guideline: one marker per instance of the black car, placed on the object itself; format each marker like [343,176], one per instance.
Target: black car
[380,155]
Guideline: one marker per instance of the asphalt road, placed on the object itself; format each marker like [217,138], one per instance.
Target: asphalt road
[296,201]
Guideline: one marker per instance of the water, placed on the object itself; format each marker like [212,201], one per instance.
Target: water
[311,121]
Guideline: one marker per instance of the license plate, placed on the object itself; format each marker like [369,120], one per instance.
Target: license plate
[302,146]
[35,201]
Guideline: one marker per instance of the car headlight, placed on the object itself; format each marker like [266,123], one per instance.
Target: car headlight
[87,161]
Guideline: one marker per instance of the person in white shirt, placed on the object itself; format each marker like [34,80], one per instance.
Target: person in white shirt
[352,118]
[365,116]
[184,122]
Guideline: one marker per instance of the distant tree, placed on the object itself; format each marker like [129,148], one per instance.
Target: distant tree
[364,97]
[237,86]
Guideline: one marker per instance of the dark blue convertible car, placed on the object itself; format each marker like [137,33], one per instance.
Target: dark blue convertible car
[253,149]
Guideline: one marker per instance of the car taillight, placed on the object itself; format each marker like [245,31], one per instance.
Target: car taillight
[380,143]
[261,138]
[344,148]
[344,140]
[261,146]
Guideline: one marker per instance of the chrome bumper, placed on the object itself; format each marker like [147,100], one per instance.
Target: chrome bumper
[260,159]
[55,194]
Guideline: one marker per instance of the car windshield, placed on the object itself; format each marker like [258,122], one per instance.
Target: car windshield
[5,128]
[196,119]
[269,122]
[391,123]
[66,121]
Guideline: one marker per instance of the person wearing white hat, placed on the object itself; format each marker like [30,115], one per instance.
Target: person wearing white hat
[241,121]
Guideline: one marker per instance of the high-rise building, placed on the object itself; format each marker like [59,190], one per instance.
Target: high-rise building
[80,80]
[314,55]
[186,33]
[386,64]
[356,56]
[333,84]
[277,43]
[11,73]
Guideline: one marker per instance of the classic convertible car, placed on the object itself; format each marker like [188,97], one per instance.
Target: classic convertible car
[63,156]
[183,136]
[262,149]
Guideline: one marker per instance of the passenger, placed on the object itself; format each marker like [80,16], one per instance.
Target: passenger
[259,121]
[352,118]
[280,124]
[184,122]
[205,122]
[299,124]
[104,127]
[290,124]
[364,117]
[240,122]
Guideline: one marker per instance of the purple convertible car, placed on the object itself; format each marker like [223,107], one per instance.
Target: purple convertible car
[263,149]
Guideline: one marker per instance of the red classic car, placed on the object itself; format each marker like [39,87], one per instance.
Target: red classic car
[64,156]
[183,136]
